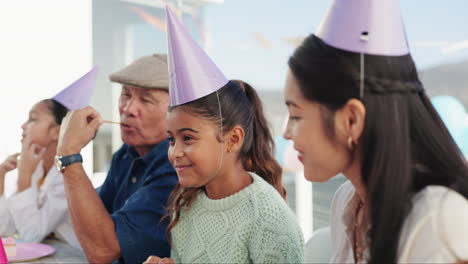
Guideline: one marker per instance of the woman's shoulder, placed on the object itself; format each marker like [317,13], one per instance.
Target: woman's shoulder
[448,204]
[439,199]
[440,215]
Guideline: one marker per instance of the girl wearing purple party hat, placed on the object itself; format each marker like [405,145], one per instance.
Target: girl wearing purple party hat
[357,107]
[39,206]
[229,205]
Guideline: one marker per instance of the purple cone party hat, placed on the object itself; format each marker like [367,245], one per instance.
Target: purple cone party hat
[365,26]
[78,94]
[192,74]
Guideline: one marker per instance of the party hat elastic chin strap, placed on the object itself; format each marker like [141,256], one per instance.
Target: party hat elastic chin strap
[364,37]
[220,162]
[361,77]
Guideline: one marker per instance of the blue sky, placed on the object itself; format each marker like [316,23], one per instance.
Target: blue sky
[437,31]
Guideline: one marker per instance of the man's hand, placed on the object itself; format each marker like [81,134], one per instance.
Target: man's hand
[78,128]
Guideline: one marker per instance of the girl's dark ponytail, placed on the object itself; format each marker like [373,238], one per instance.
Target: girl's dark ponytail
[260,157]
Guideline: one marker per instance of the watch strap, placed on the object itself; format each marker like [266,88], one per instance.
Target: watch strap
[70,159]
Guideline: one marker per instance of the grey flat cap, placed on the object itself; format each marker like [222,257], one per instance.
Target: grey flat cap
[148,72]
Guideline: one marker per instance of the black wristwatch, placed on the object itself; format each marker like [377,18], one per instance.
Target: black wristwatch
[61,162]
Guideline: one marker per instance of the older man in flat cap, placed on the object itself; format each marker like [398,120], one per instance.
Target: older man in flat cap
[123,222]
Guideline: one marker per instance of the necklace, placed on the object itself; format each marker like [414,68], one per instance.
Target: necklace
[358,242]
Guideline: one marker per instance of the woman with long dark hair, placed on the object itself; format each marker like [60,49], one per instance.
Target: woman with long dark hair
[357,106]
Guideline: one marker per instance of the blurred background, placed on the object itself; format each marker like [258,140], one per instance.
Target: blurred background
[48,44]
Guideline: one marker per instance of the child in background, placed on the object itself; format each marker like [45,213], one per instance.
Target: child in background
[39,206]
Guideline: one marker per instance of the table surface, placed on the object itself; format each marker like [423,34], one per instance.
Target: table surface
[64,253]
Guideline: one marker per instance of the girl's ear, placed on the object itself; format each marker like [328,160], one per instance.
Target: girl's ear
[235,139]
[54,132]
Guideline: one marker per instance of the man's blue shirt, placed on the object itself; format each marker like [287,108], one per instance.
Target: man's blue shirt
[135,194]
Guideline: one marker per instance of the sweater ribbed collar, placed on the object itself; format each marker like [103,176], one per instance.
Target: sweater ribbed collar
[233,199]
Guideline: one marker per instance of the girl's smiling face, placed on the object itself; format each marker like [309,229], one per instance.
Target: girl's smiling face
[195,150]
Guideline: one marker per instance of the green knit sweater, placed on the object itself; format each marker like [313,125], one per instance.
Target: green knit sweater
[254,225]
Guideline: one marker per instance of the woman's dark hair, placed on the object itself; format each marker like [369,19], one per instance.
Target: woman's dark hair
[405,145]
[241,106]
[57,109]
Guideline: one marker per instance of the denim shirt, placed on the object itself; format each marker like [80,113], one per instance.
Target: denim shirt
[135,194]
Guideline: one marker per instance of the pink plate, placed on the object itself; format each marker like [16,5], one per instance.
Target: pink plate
[31,251]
